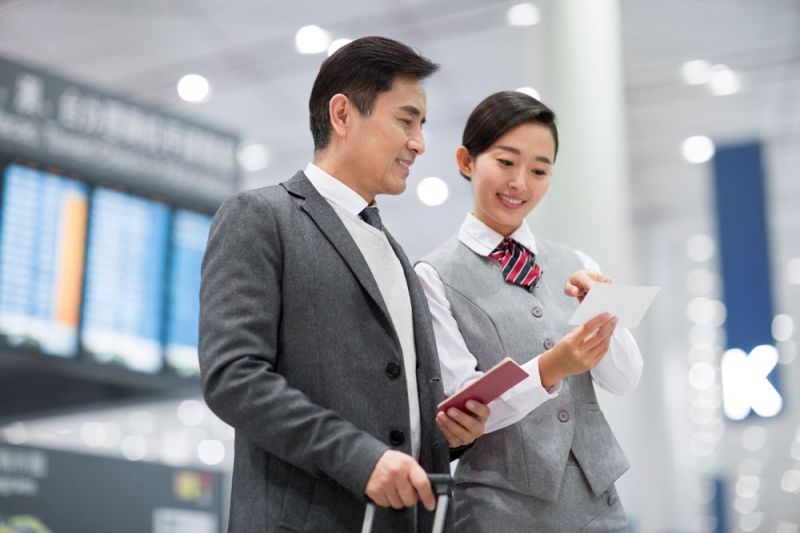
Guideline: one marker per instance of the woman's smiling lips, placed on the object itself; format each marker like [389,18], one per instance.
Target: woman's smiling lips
[510,202]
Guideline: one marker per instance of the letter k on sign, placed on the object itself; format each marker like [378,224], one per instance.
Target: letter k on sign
[745,385]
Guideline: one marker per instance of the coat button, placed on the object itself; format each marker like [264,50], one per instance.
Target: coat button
[396,437]
[563,416]
[612,499]
[537,312]
[393,370]
[548,343]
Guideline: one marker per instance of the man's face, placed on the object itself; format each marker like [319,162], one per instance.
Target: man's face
[383,145]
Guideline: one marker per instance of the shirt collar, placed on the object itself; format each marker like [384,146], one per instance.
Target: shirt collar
[335,191]
[482,239]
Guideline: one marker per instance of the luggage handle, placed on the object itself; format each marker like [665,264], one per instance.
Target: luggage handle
[442,485]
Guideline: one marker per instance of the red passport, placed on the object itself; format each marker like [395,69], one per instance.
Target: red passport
[488,387]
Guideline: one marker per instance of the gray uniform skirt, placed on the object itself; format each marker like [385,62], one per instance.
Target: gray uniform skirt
[483,509]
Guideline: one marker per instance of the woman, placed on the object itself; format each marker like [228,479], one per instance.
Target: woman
[549,460]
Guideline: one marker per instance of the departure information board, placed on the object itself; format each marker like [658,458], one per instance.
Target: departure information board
[189,236]
[125,280]
[41,259]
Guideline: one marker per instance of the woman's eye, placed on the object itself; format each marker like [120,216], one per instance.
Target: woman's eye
[540,172]
[505,162]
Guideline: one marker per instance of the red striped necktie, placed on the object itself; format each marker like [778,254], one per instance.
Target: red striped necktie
[518,264]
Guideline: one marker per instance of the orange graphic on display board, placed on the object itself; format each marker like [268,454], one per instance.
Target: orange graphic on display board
[73,240]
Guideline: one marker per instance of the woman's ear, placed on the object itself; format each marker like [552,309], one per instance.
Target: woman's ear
[464,161]
[339,109]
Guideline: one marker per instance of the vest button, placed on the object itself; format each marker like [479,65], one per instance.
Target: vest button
[537,312]
[563,416]
[396,437]
[393,370]
[548,343]
[612,499]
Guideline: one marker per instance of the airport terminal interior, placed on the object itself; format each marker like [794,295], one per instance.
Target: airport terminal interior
[124,125]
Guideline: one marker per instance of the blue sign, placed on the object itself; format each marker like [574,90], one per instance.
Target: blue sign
[125,280]
[41,259]
[189,236]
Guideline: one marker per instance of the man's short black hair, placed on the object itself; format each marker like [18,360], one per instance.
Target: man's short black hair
[361,70]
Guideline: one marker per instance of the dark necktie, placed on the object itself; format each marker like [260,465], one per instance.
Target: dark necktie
[518,264]
[371,216]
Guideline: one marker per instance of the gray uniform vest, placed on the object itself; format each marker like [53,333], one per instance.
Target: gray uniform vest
[499,320]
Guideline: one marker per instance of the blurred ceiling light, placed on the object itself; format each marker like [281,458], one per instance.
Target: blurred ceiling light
[701,376]
[16,433]
[211,452]
[782,327]
[791,481]
[194,88]
[336,44]
[696,72]
[133,447]
[93,434]
[311,39]
[747,486]
[191,412]
[525,14]
[745,385]
[698,149]
[700,247]
[252,156]
[723,81]
[432,191]
[745,504]
[530,91]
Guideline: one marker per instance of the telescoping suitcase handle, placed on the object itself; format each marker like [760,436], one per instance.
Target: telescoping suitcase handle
[443,488]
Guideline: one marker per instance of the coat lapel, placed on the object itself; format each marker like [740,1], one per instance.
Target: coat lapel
[332,227]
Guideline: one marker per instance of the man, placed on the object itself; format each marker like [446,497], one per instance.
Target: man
[315,336]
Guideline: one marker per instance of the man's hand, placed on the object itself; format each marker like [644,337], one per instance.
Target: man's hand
[581,281]
[398,481]
[462,428]
[580,350]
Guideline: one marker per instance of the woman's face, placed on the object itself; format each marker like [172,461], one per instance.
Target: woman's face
[511,176]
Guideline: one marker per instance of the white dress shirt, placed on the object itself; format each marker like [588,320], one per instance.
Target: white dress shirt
[618,372]
[389,276]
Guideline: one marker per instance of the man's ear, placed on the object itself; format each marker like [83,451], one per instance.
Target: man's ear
[464,161]
[340,110]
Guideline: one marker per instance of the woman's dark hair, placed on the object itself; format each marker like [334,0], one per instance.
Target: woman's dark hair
[501,112]
[361,70]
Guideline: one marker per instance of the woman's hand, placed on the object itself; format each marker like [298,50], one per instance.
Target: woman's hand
[580,350]
[581,281]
